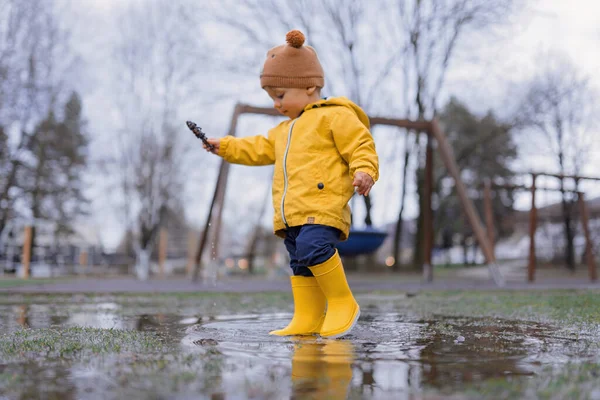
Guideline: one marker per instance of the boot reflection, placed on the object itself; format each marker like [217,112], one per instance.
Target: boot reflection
[321,369]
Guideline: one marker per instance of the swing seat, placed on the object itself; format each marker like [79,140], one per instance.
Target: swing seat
[362,241]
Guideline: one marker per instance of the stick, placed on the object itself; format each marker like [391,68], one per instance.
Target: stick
[196,130]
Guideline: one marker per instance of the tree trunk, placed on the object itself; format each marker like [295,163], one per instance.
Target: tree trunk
[399,222]
[418,255]
[10,182]
[142,264]
[569,248]
[566,209]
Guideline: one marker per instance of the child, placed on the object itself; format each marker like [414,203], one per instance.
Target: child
[320,154]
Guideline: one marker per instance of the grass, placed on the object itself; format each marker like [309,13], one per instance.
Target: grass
[570,307]
[74,343]
[14,282]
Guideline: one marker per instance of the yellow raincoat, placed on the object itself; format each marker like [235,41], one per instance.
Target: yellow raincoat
[315,157]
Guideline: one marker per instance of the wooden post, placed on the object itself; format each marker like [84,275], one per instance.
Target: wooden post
[489,214]
[83,258]
[26,258]
[162,251]
[589,252]
[427,212]
[218,200]
[532,229]
[450,162]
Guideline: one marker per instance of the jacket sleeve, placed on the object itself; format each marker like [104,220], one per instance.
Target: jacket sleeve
[355,143]
[252,150]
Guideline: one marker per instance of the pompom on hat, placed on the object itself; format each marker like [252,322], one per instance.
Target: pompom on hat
[292,65]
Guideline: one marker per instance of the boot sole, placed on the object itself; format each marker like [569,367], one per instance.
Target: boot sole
[337,335]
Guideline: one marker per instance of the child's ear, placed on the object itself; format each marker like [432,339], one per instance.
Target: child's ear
[311,90]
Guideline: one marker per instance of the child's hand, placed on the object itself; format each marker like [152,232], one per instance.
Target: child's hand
[363,182]
[216,144]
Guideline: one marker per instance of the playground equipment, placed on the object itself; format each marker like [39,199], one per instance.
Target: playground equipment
[433,131]
[362,241]
[533,217]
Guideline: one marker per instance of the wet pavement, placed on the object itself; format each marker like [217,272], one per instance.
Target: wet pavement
[196,354]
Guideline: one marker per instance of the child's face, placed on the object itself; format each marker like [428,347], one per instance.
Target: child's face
[291,101]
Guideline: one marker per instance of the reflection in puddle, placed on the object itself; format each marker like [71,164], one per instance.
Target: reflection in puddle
[322,368]
[386,356]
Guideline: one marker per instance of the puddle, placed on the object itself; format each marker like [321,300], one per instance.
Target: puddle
[388,355]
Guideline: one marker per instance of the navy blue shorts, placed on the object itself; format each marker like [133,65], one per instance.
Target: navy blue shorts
[310,245]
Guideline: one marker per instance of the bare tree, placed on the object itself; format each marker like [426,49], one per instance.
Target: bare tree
[155,70]
[35,54]
[431,31]
[560,107]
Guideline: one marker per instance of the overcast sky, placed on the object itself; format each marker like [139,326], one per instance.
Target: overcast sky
[482,81]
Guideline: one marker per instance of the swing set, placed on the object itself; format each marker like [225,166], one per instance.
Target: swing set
[434,133]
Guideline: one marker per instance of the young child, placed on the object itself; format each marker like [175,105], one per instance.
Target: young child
[321,154]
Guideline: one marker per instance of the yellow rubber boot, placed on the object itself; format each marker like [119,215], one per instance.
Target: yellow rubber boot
[342,308]
[309,308]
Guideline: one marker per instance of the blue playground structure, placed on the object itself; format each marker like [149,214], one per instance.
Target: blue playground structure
[362,241]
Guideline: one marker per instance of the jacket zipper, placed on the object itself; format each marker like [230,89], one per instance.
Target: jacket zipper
[285,177]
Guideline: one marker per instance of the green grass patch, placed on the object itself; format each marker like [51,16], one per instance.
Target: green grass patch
[15,282]
[75,343]
[563,306]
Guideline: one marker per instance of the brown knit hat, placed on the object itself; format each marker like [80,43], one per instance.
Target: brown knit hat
[292,65]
